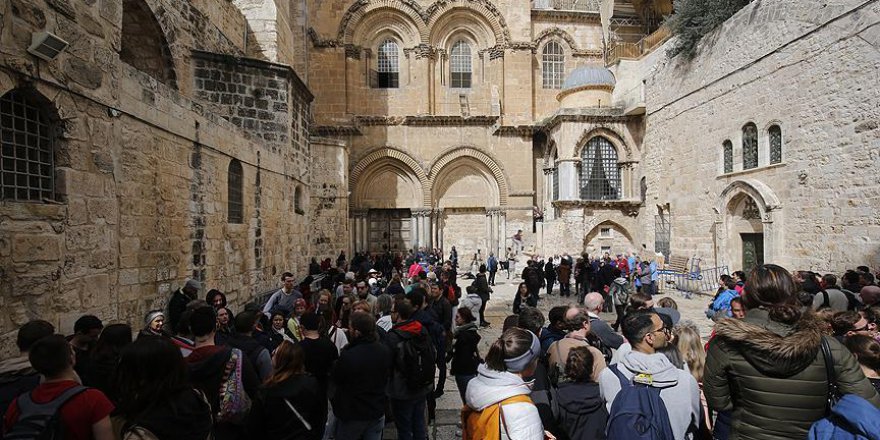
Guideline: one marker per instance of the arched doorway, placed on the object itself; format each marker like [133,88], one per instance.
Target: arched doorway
[747,230]
[464,191]
[608,237]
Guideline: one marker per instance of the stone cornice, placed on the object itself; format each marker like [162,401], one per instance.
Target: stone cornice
[282,69]
[627,206]
[427,120]
[335,130]
[556,14]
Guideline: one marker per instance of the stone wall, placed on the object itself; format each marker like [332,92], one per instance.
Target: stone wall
[141,169]
[813,71]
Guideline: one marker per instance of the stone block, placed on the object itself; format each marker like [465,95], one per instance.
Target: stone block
[27,248]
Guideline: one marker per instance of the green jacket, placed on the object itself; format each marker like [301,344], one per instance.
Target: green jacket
[772,375]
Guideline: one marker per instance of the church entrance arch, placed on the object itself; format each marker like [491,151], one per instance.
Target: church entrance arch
[747,227]
[609,238]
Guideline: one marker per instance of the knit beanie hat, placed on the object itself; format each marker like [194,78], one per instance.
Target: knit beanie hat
[152,315]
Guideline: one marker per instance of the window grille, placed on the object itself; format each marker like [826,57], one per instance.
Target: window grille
[600,172]
[388,65]
[460,65]
[556,183]
[728,157]
[26,159]
[235,205]
[605,232]
[750,146]
[553,60]
[775,133]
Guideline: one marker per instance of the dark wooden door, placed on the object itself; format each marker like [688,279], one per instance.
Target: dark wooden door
[752,251]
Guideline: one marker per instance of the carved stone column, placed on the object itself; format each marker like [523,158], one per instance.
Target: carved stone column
[359,230]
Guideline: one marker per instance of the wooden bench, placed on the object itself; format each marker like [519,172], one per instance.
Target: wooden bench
[677,264]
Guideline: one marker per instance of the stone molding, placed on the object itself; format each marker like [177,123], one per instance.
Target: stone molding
[473,153]
[613,136]
[389,153]
[557,33]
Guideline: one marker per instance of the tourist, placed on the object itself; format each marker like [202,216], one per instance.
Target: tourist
[293,324]
[692,350]
[619,292]
[472,301]
[511,263]
[347,286]
[870,296]
[754,364]
[286,409]
[563,274]
[444,315]
[278,332]
[83,414]
[153,323]
[17,375]
[533,278]
[578,323]
[500,388]
[384,304]
[215,299]
[320,354]
[359,377]
[485,292]
[737,309]
[522,299]
[114,338]
[244,340]
[667,303]
[407,393]
[86,331]
[550,275]
[225,327]
[492,267]
[849,323]
[155,398]
[646,333]
[465,354]
[719,307]
[867,352]
[179,299]
[556,329]
[593,305]
[208,370]
[343,310]
[579,411]
[831,296]
[363,293]
[285,297]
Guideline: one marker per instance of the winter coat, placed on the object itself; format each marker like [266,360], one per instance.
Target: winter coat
[518,303]
[397,388]
[579,412]
[465,354]
[563,272]
[185,415]
[207,369]
[862,419]
[360,376]
[482,286]
[17,377]
[772,375]
[472,301]
[272,417]
[491,387]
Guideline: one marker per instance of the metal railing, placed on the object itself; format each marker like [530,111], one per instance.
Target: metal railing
[633,51]
[697,281]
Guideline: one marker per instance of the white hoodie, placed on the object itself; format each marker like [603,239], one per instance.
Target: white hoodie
[490,387]
[678,389]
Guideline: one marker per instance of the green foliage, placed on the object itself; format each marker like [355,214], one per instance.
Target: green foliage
[693,19]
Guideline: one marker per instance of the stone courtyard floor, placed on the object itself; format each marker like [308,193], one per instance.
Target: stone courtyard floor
[445,427]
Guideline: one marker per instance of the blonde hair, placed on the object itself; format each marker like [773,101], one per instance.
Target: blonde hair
[690,344]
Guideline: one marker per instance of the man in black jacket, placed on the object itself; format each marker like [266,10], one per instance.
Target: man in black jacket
[179,299]
[360,377]
[533,278]
[407,403]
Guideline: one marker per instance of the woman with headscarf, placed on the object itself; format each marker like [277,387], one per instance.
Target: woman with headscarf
[153,323]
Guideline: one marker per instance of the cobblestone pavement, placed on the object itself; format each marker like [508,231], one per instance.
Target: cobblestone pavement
[445,427]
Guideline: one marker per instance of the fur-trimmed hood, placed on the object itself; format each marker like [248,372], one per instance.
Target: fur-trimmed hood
[773,348]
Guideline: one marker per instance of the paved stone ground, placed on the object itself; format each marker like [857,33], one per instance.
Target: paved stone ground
[500,306]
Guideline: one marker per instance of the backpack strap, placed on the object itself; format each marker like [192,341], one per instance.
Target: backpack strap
[826,302]
[624,382]
[26,404]
[35,417]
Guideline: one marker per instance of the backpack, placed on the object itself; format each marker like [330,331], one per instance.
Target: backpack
[596,342]
[234,400]
[638,412]
[41,421]
[415,357]
[645,277]
[619,293]
[488,423]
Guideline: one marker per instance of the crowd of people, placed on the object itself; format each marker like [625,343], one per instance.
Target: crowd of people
[357,345]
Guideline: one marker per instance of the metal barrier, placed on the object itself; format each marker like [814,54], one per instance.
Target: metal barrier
[699,281]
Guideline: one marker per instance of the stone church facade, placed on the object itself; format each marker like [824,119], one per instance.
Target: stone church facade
[229,141]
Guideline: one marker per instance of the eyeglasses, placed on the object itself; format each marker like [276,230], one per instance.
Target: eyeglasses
[666,331]
[861,329]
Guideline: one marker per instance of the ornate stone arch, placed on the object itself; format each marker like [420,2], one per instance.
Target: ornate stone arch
[554,33]
[764,197]
[614,137]
[393,154]
[466,151]
[726,224]
[354,16]
[483,10]
[594,232]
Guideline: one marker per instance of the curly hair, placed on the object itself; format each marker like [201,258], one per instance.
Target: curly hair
[579,365]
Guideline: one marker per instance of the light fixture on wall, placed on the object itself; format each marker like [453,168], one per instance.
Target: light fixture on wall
[46,45]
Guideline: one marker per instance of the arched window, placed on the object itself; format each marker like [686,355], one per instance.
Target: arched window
[143,43]
[27,166]
[728,156]
[775,134]
[600,172]
[234,204]
[389,65]
[553,65]
[460,65]
[750,146]
[298,200]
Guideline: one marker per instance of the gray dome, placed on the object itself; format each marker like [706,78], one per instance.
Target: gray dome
[585,76]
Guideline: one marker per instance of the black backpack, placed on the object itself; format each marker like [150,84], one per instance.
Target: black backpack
[40,421]
[415,357]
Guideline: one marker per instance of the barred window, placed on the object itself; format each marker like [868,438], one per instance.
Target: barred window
[775,133]
[600,172]
[460,65]
[27,167]
[728,156]
[389,65]
[553,65]
[234,204]
[750,146]
[556,182]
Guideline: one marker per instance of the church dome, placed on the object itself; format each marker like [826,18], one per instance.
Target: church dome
[589,76]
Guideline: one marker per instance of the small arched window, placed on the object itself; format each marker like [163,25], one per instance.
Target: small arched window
[728,156]
[553,65]
[775,134]
[235,204]
[460,65]
[298,200]
[750,146]
[27,166]
[388,75]
[600,172]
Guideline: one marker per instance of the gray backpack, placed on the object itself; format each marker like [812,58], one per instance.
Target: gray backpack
[40,421]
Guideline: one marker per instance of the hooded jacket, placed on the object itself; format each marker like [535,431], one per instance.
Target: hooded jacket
[272,417]
[490,387]
[185,415]
[360,377]
[579,411]
[854,418]
[678,389]
[772,375]
[465,355]
[397,388]
[17,377]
